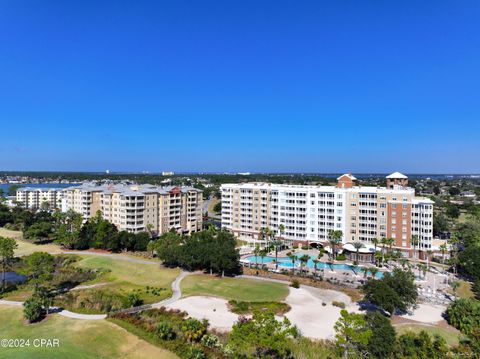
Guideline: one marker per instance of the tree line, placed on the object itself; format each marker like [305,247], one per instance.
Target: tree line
[212,250]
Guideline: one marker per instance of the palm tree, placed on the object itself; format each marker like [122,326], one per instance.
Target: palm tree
[454,251]
[375,242]
[378,258]
[276,244]
[390,242]
[335,238]
[149,228]
[429,253]
[358,246]
[443,249]
[403,262]
[384,242]
[261,234]
[415,241]
[263,254]
[256,252]
[303,261]
[365,271]
[373,272]
[281,229]
[293,258]
[315,266]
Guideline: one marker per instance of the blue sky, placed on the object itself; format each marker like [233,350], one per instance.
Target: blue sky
[261,86]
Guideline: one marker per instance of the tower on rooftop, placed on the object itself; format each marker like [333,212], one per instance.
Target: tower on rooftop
[397,179]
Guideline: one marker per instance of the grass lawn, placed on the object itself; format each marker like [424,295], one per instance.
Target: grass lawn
[451,335]
[464,290]
[78,339]
[24,247]
[127,276]
[240,289]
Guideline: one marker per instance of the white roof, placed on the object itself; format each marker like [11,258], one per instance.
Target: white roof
[349,175]
[397,175]
[366,249]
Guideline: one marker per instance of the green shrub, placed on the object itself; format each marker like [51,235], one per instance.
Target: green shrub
[196,353]
[211,341]
[338,304]
[464,314]
[295,284]
[133,300]
[341,257]
[165,331]
[33,310]
[193,329]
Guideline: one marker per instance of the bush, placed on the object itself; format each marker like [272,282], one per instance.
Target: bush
[165,331]
[33,310]
[196,353]
[193,329]
[341,257]
[211,341]
[133,300]
[338,304]
[295,284]
[464,314]
[93,300]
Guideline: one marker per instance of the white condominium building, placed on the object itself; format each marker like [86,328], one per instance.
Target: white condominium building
[39,198]
[139,208]
[308,213]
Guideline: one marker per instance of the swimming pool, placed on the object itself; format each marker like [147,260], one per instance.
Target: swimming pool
[285,262]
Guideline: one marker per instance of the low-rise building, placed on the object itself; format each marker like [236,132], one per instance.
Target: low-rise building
[139,208]
[39,198]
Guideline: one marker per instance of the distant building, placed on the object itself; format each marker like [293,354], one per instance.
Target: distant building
[139,208]
[168,173]
[39,198]
[308,213]
[468,194]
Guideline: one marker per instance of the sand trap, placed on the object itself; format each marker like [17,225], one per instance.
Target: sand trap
[308,314]
[211,308]
[426,313]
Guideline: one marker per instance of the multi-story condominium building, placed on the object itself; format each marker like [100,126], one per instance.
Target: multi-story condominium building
[309,213]
[39,198]
[139,208]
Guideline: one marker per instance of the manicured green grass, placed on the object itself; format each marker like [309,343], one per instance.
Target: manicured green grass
[79,339]
[240,289]
[127,276]
[450,335]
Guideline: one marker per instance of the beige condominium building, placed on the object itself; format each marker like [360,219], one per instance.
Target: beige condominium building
[39,198]
[309,213]
[138,208]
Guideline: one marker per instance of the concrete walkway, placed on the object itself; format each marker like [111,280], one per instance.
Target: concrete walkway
[176,291]
[62,312]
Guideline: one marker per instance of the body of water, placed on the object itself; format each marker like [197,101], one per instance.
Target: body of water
[12,277]
[285,262]
[6,186]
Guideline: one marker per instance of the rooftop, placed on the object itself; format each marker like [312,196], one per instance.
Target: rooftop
[397,175]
